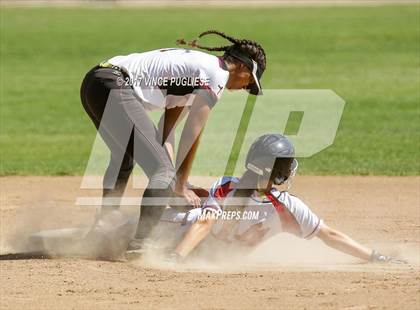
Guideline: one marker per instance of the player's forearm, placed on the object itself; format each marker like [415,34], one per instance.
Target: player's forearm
[167,124]
[168,138]
[344,243]
[184,166]
[195,234]
[190,138]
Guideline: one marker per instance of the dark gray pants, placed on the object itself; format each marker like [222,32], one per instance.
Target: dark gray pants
[130,134]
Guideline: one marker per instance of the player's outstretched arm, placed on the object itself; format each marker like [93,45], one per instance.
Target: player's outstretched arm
[195,234]
[344,243]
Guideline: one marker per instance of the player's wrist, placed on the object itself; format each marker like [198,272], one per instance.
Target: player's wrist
[181,182]
[180,186]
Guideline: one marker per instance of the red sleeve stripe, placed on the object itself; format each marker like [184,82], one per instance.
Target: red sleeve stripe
[223,190]
[288,221]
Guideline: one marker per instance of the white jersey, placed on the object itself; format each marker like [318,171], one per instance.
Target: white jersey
[171,77]
[279,212]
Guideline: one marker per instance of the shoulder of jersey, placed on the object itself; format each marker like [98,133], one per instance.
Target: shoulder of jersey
[205,61]
[280,196]
[185,51]
[222,186]
[275,192]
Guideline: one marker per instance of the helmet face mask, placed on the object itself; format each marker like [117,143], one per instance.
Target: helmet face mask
[287,179]
[282,170]
[281,175]
[271,158]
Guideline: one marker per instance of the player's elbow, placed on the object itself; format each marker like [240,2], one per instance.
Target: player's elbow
[329,235]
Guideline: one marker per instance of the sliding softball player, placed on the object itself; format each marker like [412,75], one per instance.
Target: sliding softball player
[249,210]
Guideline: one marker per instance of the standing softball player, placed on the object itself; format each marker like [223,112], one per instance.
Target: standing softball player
[118,94]
[270,160]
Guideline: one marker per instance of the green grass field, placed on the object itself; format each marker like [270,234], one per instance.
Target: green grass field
[367,55]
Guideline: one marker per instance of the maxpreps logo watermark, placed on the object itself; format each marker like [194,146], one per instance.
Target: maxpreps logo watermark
[229,215]
[163,81]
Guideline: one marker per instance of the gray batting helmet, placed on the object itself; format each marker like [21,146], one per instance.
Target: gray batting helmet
[272,156]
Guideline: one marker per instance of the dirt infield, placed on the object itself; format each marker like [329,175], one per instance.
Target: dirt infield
[284,273]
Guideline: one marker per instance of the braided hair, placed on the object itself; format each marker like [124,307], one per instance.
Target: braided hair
[252,48]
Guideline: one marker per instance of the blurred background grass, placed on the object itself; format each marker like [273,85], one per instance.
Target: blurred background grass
[368,55]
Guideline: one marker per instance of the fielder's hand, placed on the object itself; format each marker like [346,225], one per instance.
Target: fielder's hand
[199,191]
[189,195]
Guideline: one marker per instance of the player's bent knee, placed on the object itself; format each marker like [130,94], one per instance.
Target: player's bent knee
[162,180]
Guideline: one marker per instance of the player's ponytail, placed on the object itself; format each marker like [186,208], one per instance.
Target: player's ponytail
[252,48]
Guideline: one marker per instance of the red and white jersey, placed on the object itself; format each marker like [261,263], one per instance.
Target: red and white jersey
[277,211]
[171,77]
